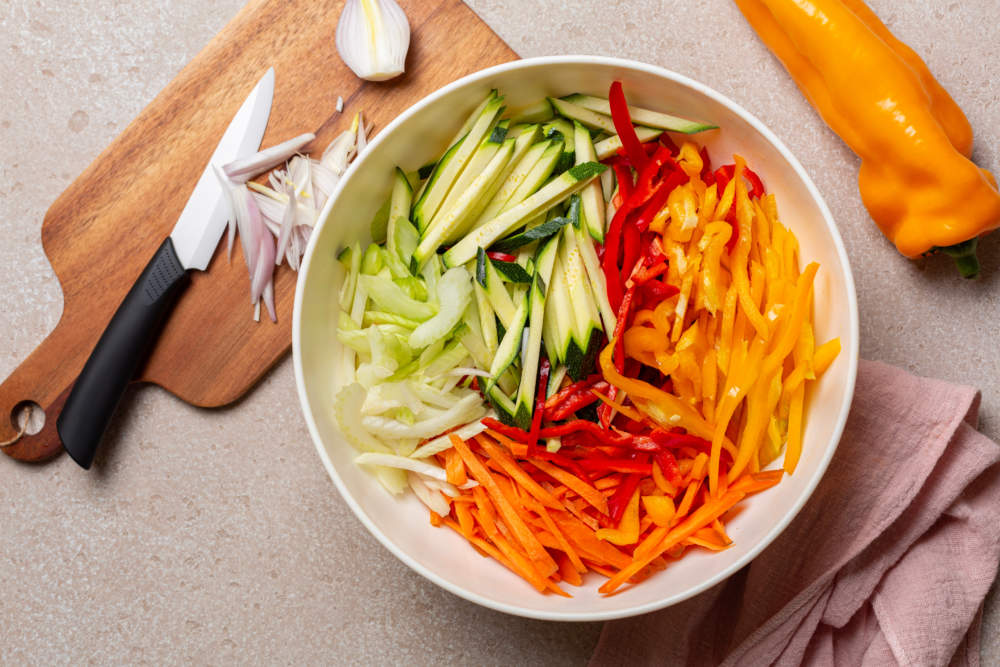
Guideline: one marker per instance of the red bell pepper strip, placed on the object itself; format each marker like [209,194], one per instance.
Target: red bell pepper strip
[603,436]
[544,367]
[623,176]
[735,236]
[668,142]
[652,292]
[659,199]
[649,178]
[685,440]
[571,390]
[654,250]
[579,400]
[500,256]
[647,274]
[618,501]
[669,468]
[514,433]
[605,411]
[609,263]
[707,177]
[650,148]
[623,315]
[724,174]
[644,443]
[575,444]
[623,125]
[667,439]
[756,186]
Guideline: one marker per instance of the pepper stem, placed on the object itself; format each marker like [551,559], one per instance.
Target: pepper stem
[964,254]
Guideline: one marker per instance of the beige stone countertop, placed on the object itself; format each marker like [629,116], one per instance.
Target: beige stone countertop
[216,536]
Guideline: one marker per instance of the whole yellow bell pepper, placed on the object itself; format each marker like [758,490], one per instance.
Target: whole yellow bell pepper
[916,179]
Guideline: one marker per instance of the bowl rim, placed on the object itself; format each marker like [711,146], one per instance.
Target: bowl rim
[851,349]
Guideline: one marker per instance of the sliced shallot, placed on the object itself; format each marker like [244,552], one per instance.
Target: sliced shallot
[242,170]
[287,226]
[276,222]
[263,266]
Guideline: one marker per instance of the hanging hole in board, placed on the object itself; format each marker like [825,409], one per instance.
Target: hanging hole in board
[27,416]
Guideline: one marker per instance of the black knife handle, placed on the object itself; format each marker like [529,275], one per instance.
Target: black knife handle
[123,346]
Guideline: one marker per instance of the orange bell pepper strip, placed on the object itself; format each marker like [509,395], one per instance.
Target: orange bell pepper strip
[660,509]
[628,529]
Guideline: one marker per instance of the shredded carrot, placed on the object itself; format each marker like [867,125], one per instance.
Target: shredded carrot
[564,544]
[609,482]
[483,546]
[579,510]
[506,509]
[517,473]
[522,563]
[465,521]
[569,572]
[454,468]
[688,500]
[601,569]
[582,488]
[708,538]
[516,448]
[589,546]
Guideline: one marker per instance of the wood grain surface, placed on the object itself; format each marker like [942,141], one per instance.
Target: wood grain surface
[101,232]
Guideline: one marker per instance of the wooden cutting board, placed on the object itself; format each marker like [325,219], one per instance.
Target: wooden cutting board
[103,229]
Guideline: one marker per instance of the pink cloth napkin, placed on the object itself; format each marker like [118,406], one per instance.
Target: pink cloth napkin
[888,563]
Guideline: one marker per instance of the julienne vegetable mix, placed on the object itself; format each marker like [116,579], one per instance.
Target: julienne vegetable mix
[917,178]
[576,342]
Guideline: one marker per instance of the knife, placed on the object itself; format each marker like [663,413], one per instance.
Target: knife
[126,341]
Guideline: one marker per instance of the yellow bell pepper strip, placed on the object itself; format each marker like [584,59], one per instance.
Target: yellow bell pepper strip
[741,254]
[681,414]
[825,354]
[916,179]
[793,448]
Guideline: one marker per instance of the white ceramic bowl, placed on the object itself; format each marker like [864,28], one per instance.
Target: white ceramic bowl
[417,137]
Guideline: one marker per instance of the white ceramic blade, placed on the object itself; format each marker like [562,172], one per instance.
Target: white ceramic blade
[204,217]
